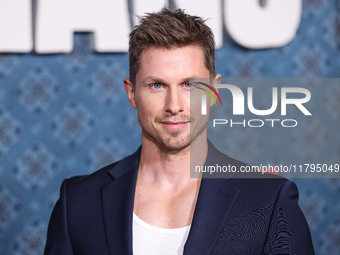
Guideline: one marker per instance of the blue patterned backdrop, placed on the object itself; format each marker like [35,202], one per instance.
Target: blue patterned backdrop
[67,114]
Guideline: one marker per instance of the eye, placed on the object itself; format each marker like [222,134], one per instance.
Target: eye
[188,85]
[156,86]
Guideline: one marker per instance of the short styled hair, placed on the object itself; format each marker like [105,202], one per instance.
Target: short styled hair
[168,29]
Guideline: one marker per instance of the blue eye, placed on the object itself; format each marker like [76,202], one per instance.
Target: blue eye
[156,86]
[188,85]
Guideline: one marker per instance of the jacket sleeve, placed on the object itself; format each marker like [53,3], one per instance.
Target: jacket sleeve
[288,232]
[58,238]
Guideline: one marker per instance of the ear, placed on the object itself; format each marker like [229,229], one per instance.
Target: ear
[217,80]
[129,89]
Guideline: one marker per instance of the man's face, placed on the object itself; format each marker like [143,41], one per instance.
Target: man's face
[162,96]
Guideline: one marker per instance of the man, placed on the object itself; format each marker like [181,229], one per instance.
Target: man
[147,203]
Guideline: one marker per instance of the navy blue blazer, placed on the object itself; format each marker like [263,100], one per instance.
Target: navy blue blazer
[232,216]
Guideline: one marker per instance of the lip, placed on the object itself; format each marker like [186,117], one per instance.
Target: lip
[175,125]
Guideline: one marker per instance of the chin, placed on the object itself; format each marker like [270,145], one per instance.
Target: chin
[175,144]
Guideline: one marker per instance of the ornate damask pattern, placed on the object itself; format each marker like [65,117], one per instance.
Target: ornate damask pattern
[9,131]
[8,208]
[72,124]
[67,114]
[34,167]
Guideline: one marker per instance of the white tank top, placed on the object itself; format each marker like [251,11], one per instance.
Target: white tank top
[152,240]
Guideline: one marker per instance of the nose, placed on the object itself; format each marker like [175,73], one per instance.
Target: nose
[174,101]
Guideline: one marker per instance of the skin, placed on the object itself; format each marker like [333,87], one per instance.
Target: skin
[165,194]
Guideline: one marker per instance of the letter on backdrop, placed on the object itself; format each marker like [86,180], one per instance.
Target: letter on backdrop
[16,26]
[57,20]
[254,26]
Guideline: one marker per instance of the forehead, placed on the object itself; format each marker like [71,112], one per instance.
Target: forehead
[171,63]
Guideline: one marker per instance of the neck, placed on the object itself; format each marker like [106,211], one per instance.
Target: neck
[171,169]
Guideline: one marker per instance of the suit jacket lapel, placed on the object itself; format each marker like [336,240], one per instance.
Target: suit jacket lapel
[117,205]
[215,200]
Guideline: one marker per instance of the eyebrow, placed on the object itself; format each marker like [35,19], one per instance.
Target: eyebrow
[152,79]
[160,80]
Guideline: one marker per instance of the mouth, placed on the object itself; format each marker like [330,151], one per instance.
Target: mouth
[175,125]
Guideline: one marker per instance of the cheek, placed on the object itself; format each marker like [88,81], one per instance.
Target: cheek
[196,110]
[148,108]
[198,118]
[196,103]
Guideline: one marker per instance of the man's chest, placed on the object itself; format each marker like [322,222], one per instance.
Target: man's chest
[165,209]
